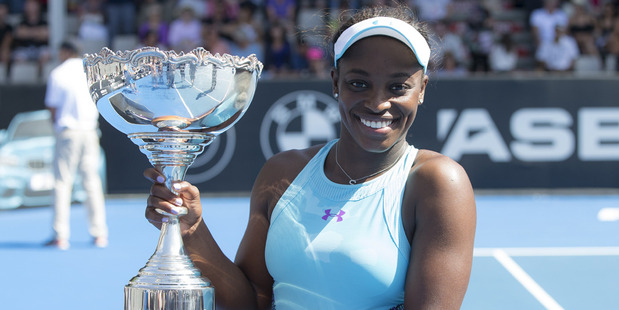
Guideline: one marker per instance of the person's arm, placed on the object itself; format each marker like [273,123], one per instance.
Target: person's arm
[233,289]
[52,111]
[533,26]
[5,47]
[246,282]
[52,97]
[444,217]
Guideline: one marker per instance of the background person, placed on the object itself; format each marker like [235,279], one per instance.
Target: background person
[75,119]
[31,36]
[366,221]
[560,54]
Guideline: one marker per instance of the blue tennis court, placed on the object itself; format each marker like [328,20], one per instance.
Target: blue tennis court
[532,252]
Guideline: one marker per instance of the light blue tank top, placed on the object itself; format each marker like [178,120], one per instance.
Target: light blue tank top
[335,246]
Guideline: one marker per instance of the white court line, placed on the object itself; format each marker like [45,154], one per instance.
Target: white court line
[537,291]
[550,251]
[608,215]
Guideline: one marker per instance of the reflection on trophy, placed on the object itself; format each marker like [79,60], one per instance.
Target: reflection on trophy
[172,106]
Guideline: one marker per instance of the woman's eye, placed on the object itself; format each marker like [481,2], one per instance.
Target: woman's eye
[358,84]
[399,87]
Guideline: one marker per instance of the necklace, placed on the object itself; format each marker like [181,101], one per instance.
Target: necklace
[354,181]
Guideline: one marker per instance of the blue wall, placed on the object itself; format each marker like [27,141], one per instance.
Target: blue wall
[507,132]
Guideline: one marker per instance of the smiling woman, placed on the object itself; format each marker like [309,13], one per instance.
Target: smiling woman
[365,221]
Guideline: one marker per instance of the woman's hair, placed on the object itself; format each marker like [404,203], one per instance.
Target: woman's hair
[400,11]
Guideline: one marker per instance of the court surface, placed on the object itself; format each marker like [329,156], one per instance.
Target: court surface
[532,252]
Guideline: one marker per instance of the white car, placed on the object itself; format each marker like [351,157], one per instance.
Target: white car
[26,155]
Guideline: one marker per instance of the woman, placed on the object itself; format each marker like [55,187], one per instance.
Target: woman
[364,222]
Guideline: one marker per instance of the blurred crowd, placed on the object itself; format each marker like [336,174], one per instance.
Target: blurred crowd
[471,37]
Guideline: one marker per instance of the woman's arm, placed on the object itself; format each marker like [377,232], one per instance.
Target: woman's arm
[233,287]
[444,216]
[246,282]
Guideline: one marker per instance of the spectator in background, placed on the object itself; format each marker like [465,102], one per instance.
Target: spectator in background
[151,38]
[201,8]
[560,54]
[6,35]
[278,51]
[317,63]
[223,11]
[212,39]
[503,55]
[31,36]
[431,10]
[450,68]
[544,20]
[604,27]
[246,33]
[451,42]
[281,11]
[121,17]
[154,23]
[185,31]
[92,21]
[611,47]
[581,26]
[143,9]
[77,150]
[312,21]
[481,38]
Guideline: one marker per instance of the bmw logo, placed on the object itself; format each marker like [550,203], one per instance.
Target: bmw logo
[299,120]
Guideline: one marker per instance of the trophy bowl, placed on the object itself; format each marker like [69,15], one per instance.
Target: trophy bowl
[171,106]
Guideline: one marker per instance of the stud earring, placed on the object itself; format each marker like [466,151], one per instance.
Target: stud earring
[336,95]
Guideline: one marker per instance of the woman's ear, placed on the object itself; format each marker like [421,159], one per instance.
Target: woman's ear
[422,91]
[334,81]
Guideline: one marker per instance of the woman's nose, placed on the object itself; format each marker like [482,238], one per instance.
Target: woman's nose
[379,101]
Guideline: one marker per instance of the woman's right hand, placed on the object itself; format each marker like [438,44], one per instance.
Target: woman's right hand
[161,198]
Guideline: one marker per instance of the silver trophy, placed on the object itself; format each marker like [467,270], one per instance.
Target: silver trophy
[172,106]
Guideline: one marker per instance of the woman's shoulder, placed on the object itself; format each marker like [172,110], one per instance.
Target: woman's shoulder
[435,169]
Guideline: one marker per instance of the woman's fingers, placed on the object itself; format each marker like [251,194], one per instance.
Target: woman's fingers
[184,201]
[155,217]
[154,175]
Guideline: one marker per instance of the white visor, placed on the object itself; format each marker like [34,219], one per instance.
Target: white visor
[384,26]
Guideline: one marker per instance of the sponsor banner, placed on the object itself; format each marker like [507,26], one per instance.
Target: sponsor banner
[507,133]
[511,133]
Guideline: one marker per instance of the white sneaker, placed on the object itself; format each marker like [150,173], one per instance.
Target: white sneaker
[100,242]
[61,244]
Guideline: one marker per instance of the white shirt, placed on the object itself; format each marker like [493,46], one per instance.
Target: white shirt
[432,10]
[547,22]
[185,34]
[558,55]
[502,60]
[67,92]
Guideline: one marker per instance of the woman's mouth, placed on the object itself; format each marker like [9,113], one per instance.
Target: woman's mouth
[376,124]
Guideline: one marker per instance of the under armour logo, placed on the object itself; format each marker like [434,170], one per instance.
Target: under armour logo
[338,215]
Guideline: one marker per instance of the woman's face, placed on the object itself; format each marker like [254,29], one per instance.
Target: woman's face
[380,84]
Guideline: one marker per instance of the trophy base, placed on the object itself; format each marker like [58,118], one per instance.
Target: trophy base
[140,298]
[169,280]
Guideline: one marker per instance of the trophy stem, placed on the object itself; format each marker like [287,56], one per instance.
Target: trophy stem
[169,280]
[172,152]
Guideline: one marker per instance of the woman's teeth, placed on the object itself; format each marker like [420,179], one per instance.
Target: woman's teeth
[376,124]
